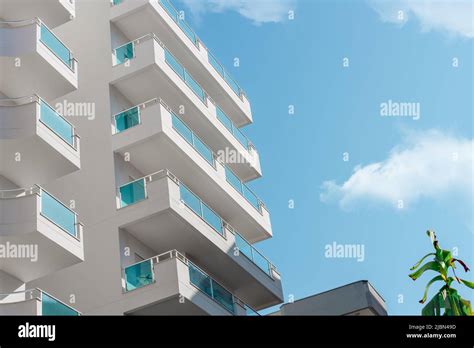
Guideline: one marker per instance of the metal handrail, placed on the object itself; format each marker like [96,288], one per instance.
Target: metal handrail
[199,42]
[19,23]
[20,192]
[175,254]
[35,293]
[71,55]
[37,190]
[24,100]
[39,22]
[56,299]
[206,95]
[272,267]
[216,158]
[166,173]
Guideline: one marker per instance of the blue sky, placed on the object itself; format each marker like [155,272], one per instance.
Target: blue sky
[405,57]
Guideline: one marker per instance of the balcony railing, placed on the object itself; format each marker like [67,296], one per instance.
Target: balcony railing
[185,76]
[50,208]
[201,209]
[50,306]
[56,212]
[127,119]
[57,123]
[249,251]
[174,14]
[47,38]
[232,128]
[135,192]
[211,288]
[203,96]
[139,275]
[142,274]
[193,140]
[49,117]
[56,46]
[124,53]
[131,117]
[127,51]
[243,189]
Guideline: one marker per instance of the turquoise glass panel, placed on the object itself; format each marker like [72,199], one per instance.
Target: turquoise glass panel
[174,64]
[52,307]
[205,152]
[56,123]
[124,53]
[212,219]
[170,9]
[190,199]
[252,254]
[56,46]
[250,197]
[127,119]
[215,64]
[235,87]
[132,193]
[139,275]
[233,180]
[187,30]
[182,129]
[224,119]
[194,86]
[192,139]
[241,138]
[261,262]
[56,212]
[200,280]
[244,247]
[250,312]
[223,297]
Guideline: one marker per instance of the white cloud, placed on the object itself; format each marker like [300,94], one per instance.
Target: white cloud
[452,16]
[259,11]
[427,165]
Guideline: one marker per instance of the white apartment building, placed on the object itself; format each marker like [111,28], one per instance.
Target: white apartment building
[113,120]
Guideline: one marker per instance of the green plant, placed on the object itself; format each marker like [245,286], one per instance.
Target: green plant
[446,298]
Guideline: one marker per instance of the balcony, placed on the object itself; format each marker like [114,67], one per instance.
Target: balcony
[154,127]
[162,212]
[155,286]
[37,144]
[53,12]
[144,69]
[34,302]
[135,18]
[33,60]
[33,217]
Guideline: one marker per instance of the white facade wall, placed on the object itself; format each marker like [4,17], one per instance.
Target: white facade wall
[108,247]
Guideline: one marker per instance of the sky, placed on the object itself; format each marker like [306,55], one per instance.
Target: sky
[379,147]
